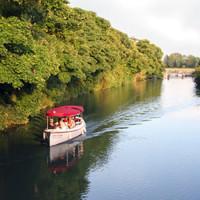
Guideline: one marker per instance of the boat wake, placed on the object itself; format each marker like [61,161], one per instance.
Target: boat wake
[124,117]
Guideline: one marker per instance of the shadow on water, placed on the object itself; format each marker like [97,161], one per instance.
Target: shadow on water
[29,170]
[197,89]
[56,173]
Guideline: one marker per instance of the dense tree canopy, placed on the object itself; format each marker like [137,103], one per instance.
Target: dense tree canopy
[48,48]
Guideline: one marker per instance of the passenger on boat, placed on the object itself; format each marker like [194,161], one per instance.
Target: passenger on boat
[61,124]
[70,122]
[51,123]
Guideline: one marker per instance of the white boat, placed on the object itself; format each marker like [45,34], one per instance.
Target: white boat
[58,134]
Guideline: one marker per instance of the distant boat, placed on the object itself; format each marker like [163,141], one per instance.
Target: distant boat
[69,124]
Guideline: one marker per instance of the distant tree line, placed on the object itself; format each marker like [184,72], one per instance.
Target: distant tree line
[179,60]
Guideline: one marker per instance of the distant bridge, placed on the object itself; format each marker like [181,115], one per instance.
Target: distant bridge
[178,72]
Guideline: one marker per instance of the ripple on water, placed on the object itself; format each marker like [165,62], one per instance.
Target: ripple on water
[132,115]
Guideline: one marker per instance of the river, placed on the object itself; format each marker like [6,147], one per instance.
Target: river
[142,143]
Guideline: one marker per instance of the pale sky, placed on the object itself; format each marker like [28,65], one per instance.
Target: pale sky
[173,25]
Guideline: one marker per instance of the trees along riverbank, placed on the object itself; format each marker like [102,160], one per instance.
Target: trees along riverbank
[197,77]
[177,60]
[49,50]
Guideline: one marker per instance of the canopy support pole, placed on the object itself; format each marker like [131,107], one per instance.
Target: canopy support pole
[47,122]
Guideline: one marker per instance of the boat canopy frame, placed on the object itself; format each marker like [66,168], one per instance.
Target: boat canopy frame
[64,111]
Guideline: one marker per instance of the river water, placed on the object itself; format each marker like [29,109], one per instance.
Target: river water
[142,143]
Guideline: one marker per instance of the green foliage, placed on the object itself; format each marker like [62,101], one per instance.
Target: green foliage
[152,56]
[197,77]
[25,105]
[24,59]
[179,60]
[47,45]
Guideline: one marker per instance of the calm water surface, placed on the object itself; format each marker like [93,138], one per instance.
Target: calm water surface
[142,142]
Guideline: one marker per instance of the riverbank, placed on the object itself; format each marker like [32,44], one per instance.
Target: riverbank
[186,71]
[32,104]
[151,129]
[197,77]
[50,51]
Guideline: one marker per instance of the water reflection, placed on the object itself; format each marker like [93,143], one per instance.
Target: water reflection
[118,108]
[197,89]
[64,156]
[107,114]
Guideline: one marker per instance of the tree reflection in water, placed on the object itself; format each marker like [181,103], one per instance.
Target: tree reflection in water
[26,172]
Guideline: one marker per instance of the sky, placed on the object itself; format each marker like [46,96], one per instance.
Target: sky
[173,25]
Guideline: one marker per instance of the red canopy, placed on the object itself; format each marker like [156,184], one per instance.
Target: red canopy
[64,111]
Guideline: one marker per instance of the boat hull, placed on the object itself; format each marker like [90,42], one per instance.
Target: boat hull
[57,136]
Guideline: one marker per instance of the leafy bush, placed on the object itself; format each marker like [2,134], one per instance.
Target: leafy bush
[53,49]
